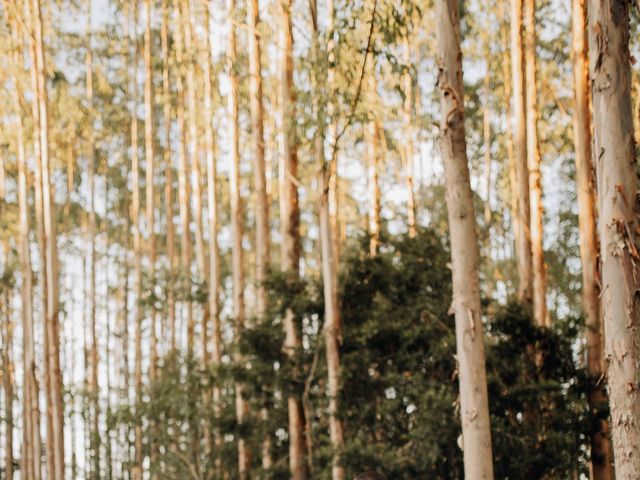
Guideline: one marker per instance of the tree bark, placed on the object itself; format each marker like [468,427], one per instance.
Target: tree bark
[290,227]
[236,227]
[617,189]
[540,312]
[601,455]
[523,236]
[474,404]
[183,179]
[168,176]
[7,368]
[407,81]
[53,374]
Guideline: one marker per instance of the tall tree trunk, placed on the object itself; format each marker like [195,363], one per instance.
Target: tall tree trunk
[474,403]
[407,81]
[617,193]
[31,444]
[214,254]
[290,228]
[373,168]
[137,252]
[540,312]
[601,458]
[260,182]
[149,153]
[332,327]
[523,236]
[52,329]
[183,178]
[506,81]
[168,176]
[236,227]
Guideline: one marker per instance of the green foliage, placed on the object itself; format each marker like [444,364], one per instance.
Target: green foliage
[399,397]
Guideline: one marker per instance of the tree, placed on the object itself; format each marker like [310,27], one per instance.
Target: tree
[474,403]
[523,236]
[615,162]
[540,312]
[289,226]
[601,461]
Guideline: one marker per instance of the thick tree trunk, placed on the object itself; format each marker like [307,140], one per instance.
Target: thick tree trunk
[290,227]
[523,236]
[474,403]
[617,193]
[601,455]
[53,374]
[168,175]
[540,312]
[236,227]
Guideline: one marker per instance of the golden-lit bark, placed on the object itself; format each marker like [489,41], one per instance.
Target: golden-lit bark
[616,173]
[523,236]
[601,455]
[540,311]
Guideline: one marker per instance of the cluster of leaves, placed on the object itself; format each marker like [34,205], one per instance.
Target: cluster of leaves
[399,400]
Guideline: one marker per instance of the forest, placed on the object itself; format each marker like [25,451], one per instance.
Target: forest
[278,239]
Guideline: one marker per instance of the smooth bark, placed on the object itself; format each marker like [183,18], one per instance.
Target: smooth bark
[474,403]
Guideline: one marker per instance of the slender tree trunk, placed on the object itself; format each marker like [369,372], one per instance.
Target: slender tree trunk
[373,168]
[523,236]
[474,403]
[506,81]
[407,81]
[236,226]
[332,327]
[617,193]
[7,370]
[214,255]
[290,224]
[601,458]
[260,183]
[52,330]
[540,312]
[168,189]
[30,456]
[137,252]
[183,178]
[94,387]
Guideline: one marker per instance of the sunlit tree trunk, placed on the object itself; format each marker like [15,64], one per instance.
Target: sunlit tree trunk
[53,374]
[214,255]
[523,236]
[260,182]
[183,178]
[615,164]
[237,272]
[290,224]
[373,170]
[168,176]
[31,445]
[540,312]
[601,461]
[474,403]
